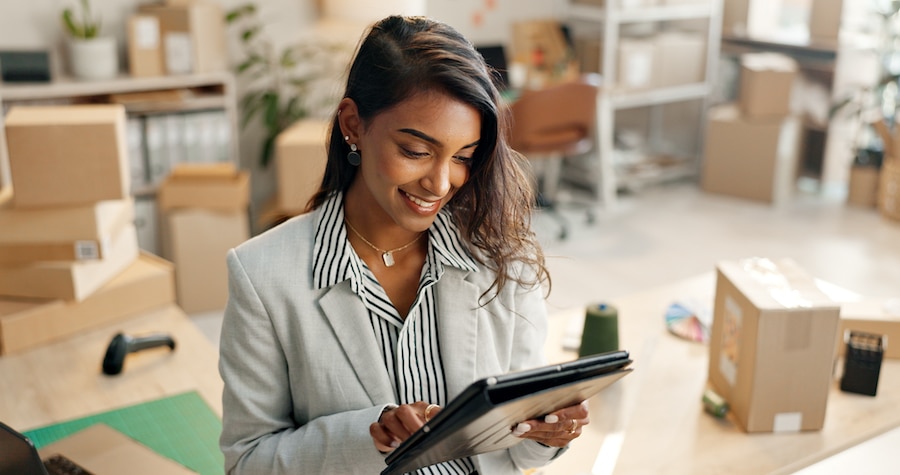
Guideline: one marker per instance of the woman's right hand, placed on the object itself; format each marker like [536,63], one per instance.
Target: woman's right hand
[397,424]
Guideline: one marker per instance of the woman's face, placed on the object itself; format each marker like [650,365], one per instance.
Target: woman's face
[415,156]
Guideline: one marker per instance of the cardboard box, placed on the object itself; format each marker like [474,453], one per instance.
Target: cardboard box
[753,18]
[145,53]
[863,187]
[67,155]
[71,280]
[889,189]
[825,20]
[772,345]
[193,36]
[680,58]
[752,159]
[878,316]
[544,36]
[199,240]
[146,284]
[65,233]
[210,186]
[300,158]
[765,85]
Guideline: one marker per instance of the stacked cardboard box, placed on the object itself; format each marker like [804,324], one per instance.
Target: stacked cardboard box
[186,37]
[752,147]
[300,158]
[203,210]
[772,345]
[68,228]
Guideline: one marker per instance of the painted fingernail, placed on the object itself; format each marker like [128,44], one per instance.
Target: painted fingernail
[551,418]
[584,404]
[395,444]
[521,428]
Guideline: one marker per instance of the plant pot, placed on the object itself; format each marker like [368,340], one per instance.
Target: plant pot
[96,58]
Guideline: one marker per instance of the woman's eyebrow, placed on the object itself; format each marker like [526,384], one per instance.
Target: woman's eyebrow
[432,140]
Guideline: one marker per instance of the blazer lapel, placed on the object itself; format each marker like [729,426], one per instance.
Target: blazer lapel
[350,321]
[457,307]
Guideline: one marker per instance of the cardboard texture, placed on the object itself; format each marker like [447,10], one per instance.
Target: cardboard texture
[198,242]
[825,20]
[889,189]
[145,54]
[148,283]
[752,159]
[765,84]
[772,345]
[680,58]
[101,449]
[66,233]
[208,186]
[67,155]
[300,159]
[877,316]
[193,36]
[863,186]
[543,36]
[70,280]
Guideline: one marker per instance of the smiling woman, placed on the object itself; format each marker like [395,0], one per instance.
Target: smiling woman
[415,273]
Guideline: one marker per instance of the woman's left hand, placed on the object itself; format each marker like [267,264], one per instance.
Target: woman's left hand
[556,429]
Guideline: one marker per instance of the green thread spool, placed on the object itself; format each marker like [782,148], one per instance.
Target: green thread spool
[601,330]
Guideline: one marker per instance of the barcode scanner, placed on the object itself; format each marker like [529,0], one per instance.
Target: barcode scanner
[123,344]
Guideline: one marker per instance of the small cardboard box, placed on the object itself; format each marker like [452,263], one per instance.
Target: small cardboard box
[825,20]
[145,54]
[680,58]
[863,187]
[767,80]
[193,36]
[877,316]
[65,233]
[772,345]
[752,159]
[67,155]
[146,284]
[70,280]
[889,189]
[300,159]
[198,242]
[211,186]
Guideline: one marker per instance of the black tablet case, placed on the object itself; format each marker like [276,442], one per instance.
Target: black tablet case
[480,419]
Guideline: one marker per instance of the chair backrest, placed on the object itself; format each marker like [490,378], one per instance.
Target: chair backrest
[557,119]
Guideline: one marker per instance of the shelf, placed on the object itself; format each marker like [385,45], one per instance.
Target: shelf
[66,87]
[654,170]
[640,14]
[632,99]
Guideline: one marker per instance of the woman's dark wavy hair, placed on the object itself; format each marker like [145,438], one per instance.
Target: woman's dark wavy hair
[403,56]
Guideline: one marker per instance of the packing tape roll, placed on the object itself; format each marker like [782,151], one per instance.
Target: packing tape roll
[601,330]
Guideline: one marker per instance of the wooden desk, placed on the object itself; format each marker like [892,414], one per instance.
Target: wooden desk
[653,421]
[62,381]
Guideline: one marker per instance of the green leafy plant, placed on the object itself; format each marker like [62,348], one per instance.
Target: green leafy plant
[87,27]
[280,83]
[878,103]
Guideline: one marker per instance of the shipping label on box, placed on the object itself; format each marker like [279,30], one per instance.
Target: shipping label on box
[772,345]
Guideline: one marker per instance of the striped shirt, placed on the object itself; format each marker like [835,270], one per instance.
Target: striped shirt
[409,347]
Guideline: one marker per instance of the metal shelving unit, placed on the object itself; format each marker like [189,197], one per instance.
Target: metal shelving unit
[612,98]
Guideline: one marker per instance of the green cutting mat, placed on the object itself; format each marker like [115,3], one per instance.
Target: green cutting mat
[181,427]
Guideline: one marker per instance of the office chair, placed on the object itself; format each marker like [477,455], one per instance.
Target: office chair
[550,124]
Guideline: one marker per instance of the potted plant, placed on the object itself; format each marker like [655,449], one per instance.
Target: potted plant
[282,86]
[91,55]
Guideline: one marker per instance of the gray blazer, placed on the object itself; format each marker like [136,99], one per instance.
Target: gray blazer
[303,375]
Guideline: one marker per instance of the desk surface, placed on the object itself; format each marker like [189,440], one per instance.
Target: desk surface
[62,381]
[653,420]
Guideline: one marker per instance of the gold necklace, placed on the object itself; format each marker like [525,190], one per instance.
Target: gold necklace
[386,255]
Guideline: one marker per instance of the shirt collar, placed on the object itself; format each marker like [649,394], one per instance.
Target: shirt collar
[334,260]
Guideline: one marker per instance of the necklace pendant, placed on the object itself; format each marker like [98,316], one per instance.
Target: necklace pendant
[388,258]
